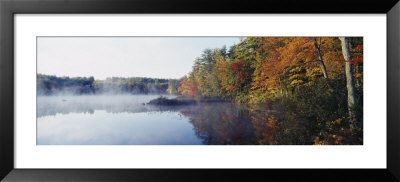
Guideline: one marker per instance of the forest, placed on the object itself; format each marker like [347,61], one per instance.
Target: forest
[288,90]
[53,85]
[318,80]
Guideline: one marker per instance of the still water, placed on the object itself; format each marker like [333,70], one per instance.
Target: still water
[127,120]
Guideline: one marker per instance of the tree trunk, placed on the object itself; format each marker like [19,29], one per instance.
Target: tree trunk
[356,69]
[351,91]
[285,84]
[321,61]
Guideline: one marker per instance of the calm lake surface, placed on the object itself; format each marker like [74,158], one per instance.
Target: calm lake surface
[126,120]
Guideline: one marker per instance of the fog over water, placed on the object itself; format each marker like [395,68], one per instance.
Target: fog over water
[128,120]
[52,105]
[110,119]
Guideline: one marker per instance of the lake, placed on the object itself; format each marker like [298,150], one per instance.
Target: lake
[127,120]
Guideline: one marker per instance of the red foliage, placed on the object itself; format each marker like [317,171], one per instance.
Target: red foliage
[193,90]
[236,67]
[359,47]
[356,60]
[241,74]
[188,88]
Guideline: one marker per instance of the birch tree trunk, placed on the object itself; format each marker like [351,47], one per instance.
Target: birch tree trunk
[321,61]
[351,91]
[323,67]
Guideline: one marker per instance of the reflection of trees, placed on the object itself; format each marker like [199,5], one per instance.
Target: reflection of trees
[280,128]
[224,123]
[219,124]
[266,132]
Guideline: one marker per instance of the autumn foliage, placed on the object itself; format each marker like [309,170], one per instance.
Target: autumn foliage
[261,68]
[306,72]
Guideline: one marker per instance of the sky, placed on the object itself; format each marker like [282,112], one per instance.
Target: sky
[102,57]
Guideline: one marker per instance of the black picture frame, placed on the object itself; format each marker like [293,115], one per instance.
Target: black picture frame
[8,8]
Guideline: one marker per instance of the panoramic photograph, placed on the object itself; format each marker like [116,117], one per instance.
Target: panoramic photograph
[199,91]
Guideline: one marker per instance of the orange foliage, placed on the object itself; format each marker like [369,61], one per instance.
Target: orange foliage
[187,88]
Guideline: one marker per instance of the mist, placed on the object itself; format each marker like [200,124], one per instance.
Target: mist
[88,104]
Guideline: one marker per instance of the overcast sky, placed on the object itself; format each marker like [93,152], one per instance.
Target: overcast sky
[102,57]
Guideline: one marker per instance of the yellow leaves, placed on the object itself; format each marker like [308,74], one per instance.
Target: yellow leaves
[358,75]
[295,77]
[296,83]
[296,69]
[339,133]
[318,142]
[337,121]
[337,139]
[314,72]
[272,90]
[332,139]
[272,122]
[301,76]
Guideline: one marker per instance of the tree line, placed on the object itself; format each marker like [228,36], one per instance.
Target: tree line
[53,85]
[321,78]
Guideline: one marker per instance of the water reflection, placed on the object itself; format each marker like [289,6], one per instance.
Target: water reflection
[221,124]
[229,124]
[126,120]
[52,105]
